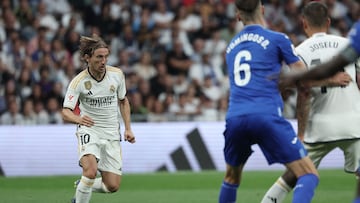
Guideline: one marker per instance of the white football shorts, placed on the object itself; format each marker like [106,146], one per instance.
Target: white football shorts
[350,148]
[107,152]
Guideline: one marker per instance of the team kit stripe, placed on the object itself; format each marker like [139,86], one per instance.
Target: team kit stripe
[79,78]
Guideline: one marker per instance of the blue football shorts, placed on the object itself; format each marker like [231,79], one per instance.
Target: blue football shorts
[274,135]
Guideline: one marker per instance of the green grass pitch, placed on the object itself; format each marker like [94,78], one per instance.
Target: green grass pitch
[184,187]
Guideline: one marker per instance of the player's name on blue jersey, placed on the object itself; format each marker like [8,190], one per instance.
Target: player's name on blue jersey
[324,45]
[248,37]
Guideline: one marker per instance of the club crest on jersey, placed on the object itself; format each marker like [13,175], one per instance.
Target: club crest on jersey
[112,89]
[87,85]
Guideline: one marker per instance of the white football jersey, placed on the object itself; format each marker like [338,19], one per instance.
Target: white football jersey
[335,111]
[98,100]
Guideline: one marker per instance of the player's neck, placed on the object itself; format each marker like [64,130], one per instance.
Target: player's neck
[256,22]
[313,31]
[98,76]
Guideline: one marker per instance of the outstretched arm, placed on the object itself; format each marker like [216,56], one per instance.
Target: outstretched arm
[324,70]
[125,113]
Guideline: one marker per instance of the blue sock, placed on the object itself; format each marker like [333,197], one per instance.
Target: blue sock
[357,200]
[305,188]
[228,193]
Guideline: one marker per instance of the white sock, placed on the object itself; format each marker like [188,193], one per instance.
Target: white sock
[83,190]
[99,186]
[277,192]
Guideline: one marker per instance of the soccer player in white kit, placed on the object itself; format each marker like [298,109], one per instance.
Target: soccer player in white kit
[100,92]
[334,115]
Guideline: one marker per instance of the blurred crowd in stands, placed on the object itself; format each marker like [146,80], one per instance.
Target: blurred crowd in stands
[171,51]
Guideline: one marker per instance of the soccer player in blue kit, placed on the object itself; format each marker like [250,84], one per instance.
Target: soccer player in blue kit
[255,105]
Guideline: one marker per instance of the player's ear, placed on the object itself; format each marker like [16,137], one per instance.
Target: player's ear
[328,23]
[304,23]
[86,57]
[263,9]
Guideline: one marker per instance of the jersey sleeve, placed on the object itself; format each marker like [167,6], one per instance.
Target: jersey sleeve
[122,87]
[71,96]
[302,54]
[287,49]
[354,36]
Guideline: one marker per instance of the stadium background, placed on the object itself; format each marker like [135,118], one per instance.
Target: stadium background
[170,50]
[173,111]
[39,56]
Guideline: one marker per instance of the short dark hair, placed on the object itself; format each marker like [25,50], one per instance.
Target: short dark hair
[247,5]
[316,13]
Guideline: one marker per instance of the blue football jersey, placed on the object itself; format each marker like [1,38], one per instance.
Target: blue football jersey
[354,35]
[254,58]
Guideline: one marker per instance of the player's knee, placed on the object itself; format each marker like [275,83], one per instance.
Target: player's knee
[289,178]
[90,173]
[112,188]
[232,175]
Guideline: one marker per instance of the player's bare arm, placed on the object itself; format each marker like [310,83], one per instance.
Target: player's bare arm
[297,67]
[321,71]
[69,116]
[302,111]
[339,79]
[303,101]
[124,106]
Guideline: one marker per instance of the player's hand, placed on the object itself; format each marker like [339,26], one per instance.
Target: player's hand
[86,121]
[129,136]
[340,79]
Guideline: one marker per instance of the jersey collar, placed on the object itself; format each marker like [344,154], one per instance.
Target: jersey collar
[319,34]
[252,26]
[94,77]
